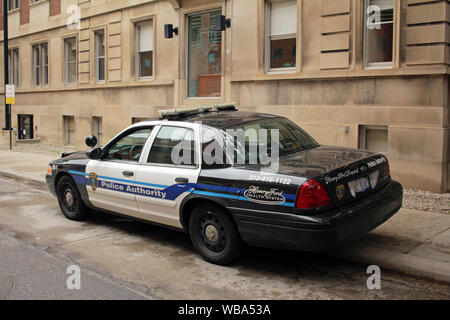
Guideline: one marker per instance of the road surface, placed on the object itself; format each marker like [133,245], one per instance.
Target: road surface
[122,259]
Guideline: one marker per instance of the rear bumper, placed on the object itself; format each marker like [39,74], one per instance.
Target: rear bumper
[318,232]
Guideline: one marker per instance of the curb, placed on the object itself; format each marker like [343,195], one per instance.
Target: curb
[15,175]
[397,261]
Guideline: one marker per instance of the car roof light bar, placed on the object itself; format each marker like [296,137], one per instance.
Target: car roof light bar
[184,112]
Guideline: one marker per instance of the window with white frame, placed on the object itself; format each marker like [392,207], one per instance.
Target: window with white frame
[144,49]
[40,64]
[378,33]
[70,60]
[281,35]
[374,138]
[13,5]
[13,67]
[100,55]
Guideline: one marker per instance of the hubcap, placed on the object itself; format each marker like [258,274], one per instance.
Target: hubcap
[69,198]
[211,233]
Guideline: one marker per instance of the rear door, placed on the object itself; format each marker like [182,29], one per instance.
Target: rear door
[168,173]
[111,179]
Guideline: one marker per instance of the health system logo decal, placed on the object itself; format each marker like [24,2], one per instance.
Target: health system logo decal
[271,197]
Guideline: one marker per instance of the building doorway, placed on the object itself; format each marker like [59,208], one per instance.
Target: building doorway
[25,126]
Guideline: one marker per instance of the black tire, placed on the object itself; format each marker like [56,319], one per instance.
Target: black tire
[69,199]
[214,234]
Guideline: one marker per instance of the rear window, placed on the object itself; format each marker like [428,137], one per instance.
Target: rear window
[258,137]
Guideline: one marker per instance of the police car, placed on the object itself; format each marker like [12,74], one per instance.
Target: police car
[314,198]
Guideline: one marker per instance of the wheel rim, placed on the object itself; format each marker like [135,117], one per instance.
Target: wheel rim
[69,197]
[212,233]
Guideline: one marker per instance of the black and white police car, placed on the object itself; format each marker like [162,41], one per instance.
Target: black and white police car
[317,196]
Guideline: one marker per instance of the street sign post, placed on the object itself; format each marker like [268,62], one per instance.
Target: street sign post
[6,71]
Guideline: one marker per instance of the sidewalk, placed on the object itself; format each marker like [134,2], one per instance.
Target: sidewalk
[414,242]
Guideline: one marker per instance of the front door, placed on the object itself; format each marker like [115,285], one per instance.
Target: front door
[25,126]
[168,174]
[111,179]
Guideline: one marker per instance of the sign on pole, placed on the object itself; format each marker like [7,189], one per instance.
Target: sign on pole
[10,93]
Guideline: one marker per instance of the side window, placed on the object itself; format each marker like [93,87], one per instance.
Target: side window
[129,147]
[213,154]
[173,146]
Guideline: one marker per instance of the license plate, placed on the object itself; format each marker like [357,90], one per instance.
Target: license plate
[361,185]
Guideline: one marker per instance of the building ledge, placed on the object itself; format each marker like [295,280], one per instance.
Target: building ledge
[344,74]
[152,83]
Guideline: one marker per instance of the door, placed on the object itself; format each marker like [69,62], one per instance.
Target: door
[25,126]
[111,179]
[168,174]
[204,56]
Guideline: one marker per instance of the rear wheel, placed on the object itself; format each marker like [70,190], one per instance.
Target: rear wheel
[214,234]
[69,199]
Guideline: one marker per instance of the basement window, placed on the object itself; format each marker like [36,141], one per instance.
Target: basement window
[374,138]
[69,130]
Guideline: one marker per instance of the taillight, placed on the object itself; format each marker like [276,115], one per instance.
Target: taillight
[312,195]
[388,167]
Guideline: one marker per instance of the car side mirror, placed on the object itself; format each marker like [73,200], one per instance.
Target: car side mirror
[91,141]
[94,154]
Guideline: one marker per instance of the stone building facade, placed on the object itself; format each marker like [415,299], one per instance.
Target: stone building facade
[359,73]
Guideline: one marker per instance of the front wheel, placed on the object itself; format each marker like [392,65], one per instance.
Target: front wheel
[214,234]
[69,199]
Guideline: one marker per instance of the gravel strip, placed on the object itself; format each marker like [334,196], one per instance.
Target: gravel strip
[426,201]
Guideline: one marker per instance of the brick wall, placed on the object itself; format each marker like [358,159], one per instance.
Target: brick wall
[24,11]
[55,7]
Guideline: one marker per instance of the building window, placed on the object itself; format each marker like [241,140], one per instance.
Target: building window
[70,61]
[25,130]
[281,39]
[100,55]
[40,64]
[97,128]
[13,67]
[204,56]
[69,129]
[13,5]
[378,33]
[135,120]
[144,49]
[374,138]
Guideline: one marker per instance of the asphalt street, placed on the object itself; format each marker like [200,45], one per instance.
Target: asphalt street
[122,259]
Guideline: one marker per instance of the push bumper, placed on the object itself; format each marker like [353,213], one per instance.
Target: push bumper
[319,232]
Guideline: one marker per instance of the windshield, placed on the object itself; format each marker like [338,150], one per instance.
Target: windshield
[258,135]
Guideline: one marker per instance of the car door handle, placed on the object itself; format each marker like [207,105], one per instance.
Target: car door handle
[182,180]
[128,173]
